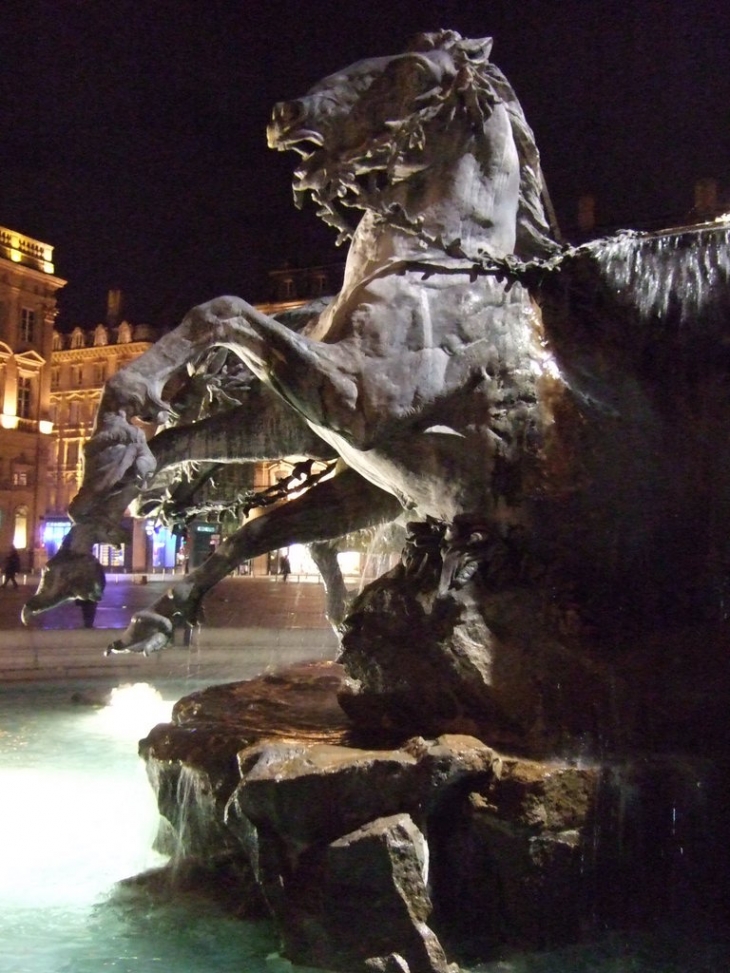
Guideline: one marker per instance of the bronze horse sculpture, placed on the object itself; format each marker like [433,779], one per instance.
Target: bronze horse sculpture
[465,374]
[378,275]
[553,422]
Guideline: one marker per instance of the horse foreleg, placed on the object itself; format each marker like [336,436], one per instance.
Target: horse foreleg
[317,379]
[324,555]
[263,428]
[330,509]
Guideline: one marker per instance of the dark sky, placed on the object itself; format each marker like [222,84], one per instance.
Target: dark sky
[133,131]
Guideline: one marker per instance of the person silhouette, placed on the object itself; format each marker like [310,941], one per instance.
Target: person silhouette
[11,567]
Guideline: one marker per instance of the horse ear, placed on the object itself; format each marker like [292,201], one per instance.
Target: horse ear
[430,41]
[478,49]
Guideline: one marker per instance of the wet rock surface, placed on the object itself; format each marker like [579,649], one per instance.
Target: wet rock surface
[378,872]
[409,853]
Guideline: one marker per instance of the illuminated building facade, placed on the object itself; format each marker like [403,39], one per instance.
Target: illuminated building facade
[28,288]
[80,364]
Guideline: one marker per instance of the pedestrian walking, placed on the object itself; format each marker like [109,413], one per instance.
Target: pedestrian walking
[284,567]
[11,568]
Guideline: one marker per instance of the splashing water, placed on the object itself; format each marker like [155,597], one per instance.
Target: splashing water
[683,273]
[77,816]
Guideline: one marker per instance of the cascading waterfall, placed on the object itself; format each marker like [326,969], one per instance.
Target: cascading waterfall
[656,837]
[679,274]
[384,542]
[187,812]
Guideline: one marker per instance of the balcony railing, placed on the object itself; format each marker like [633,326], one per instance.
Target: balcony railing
[24,249]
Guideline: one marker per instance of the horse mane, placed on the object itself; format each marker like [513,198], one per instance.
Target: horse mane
[534,238]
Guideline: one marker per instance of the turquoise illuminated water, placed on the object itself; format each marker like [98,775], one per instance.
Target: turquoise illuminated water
[77,816]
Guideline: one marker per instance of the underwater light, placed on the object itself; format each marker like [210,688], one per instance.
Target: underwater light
[133,708]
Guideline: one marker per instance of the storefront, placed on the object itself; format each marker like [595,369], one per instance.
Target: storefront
[163,547]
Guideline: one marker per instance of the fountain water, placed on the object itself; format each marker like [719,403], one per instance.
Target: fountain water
[78,817]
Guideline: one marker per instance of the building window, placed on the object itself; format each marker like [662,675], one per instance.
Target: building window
[101,335]
[99,373]
[77,376]
[73,413]
[20,533]
[55,379]
[20,478]
[57,341]
[27,324]
[72,453]
[25,396]
[77,338]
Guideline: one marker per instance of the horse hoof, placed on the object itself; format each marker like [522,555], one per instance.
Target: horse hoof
[116,648]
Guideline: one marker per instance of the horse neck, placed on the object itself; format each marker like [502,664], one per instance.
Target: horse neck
[467,195]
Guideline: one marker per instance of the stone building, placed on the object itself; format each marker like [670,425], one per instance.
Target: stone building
[81,362]
[28,288]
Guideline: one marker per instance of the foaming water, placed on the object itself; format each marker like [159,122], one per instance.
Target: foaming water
[77,816]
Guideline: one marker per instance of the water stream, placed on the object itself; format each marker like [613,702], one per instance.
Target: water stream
[77,816]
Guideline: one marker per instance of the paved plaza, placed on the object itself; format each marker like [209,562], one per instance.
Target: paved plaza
[247,619]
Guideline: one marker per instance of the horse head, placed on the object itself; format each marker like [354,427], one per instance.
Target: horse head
[69,575]
[369,134]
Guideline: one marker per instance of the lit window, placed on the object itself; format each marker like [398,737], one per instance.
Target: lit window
[27,324]
[20,533]
[20,478]
[25,396]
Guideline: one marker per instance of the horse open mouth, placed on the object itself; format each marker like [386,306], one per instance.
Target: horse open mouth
[287,130]
[306,143]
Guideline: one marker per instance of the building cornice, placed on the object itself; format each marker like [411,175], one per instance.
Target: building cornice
[23,271]
[87,353]
[21,251]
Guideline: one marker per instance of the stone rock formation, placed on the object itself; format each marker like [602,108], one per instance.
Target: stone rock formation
[411,853]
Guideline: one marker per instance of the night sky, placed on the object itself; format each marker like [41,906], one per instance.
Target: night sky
[133,131]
